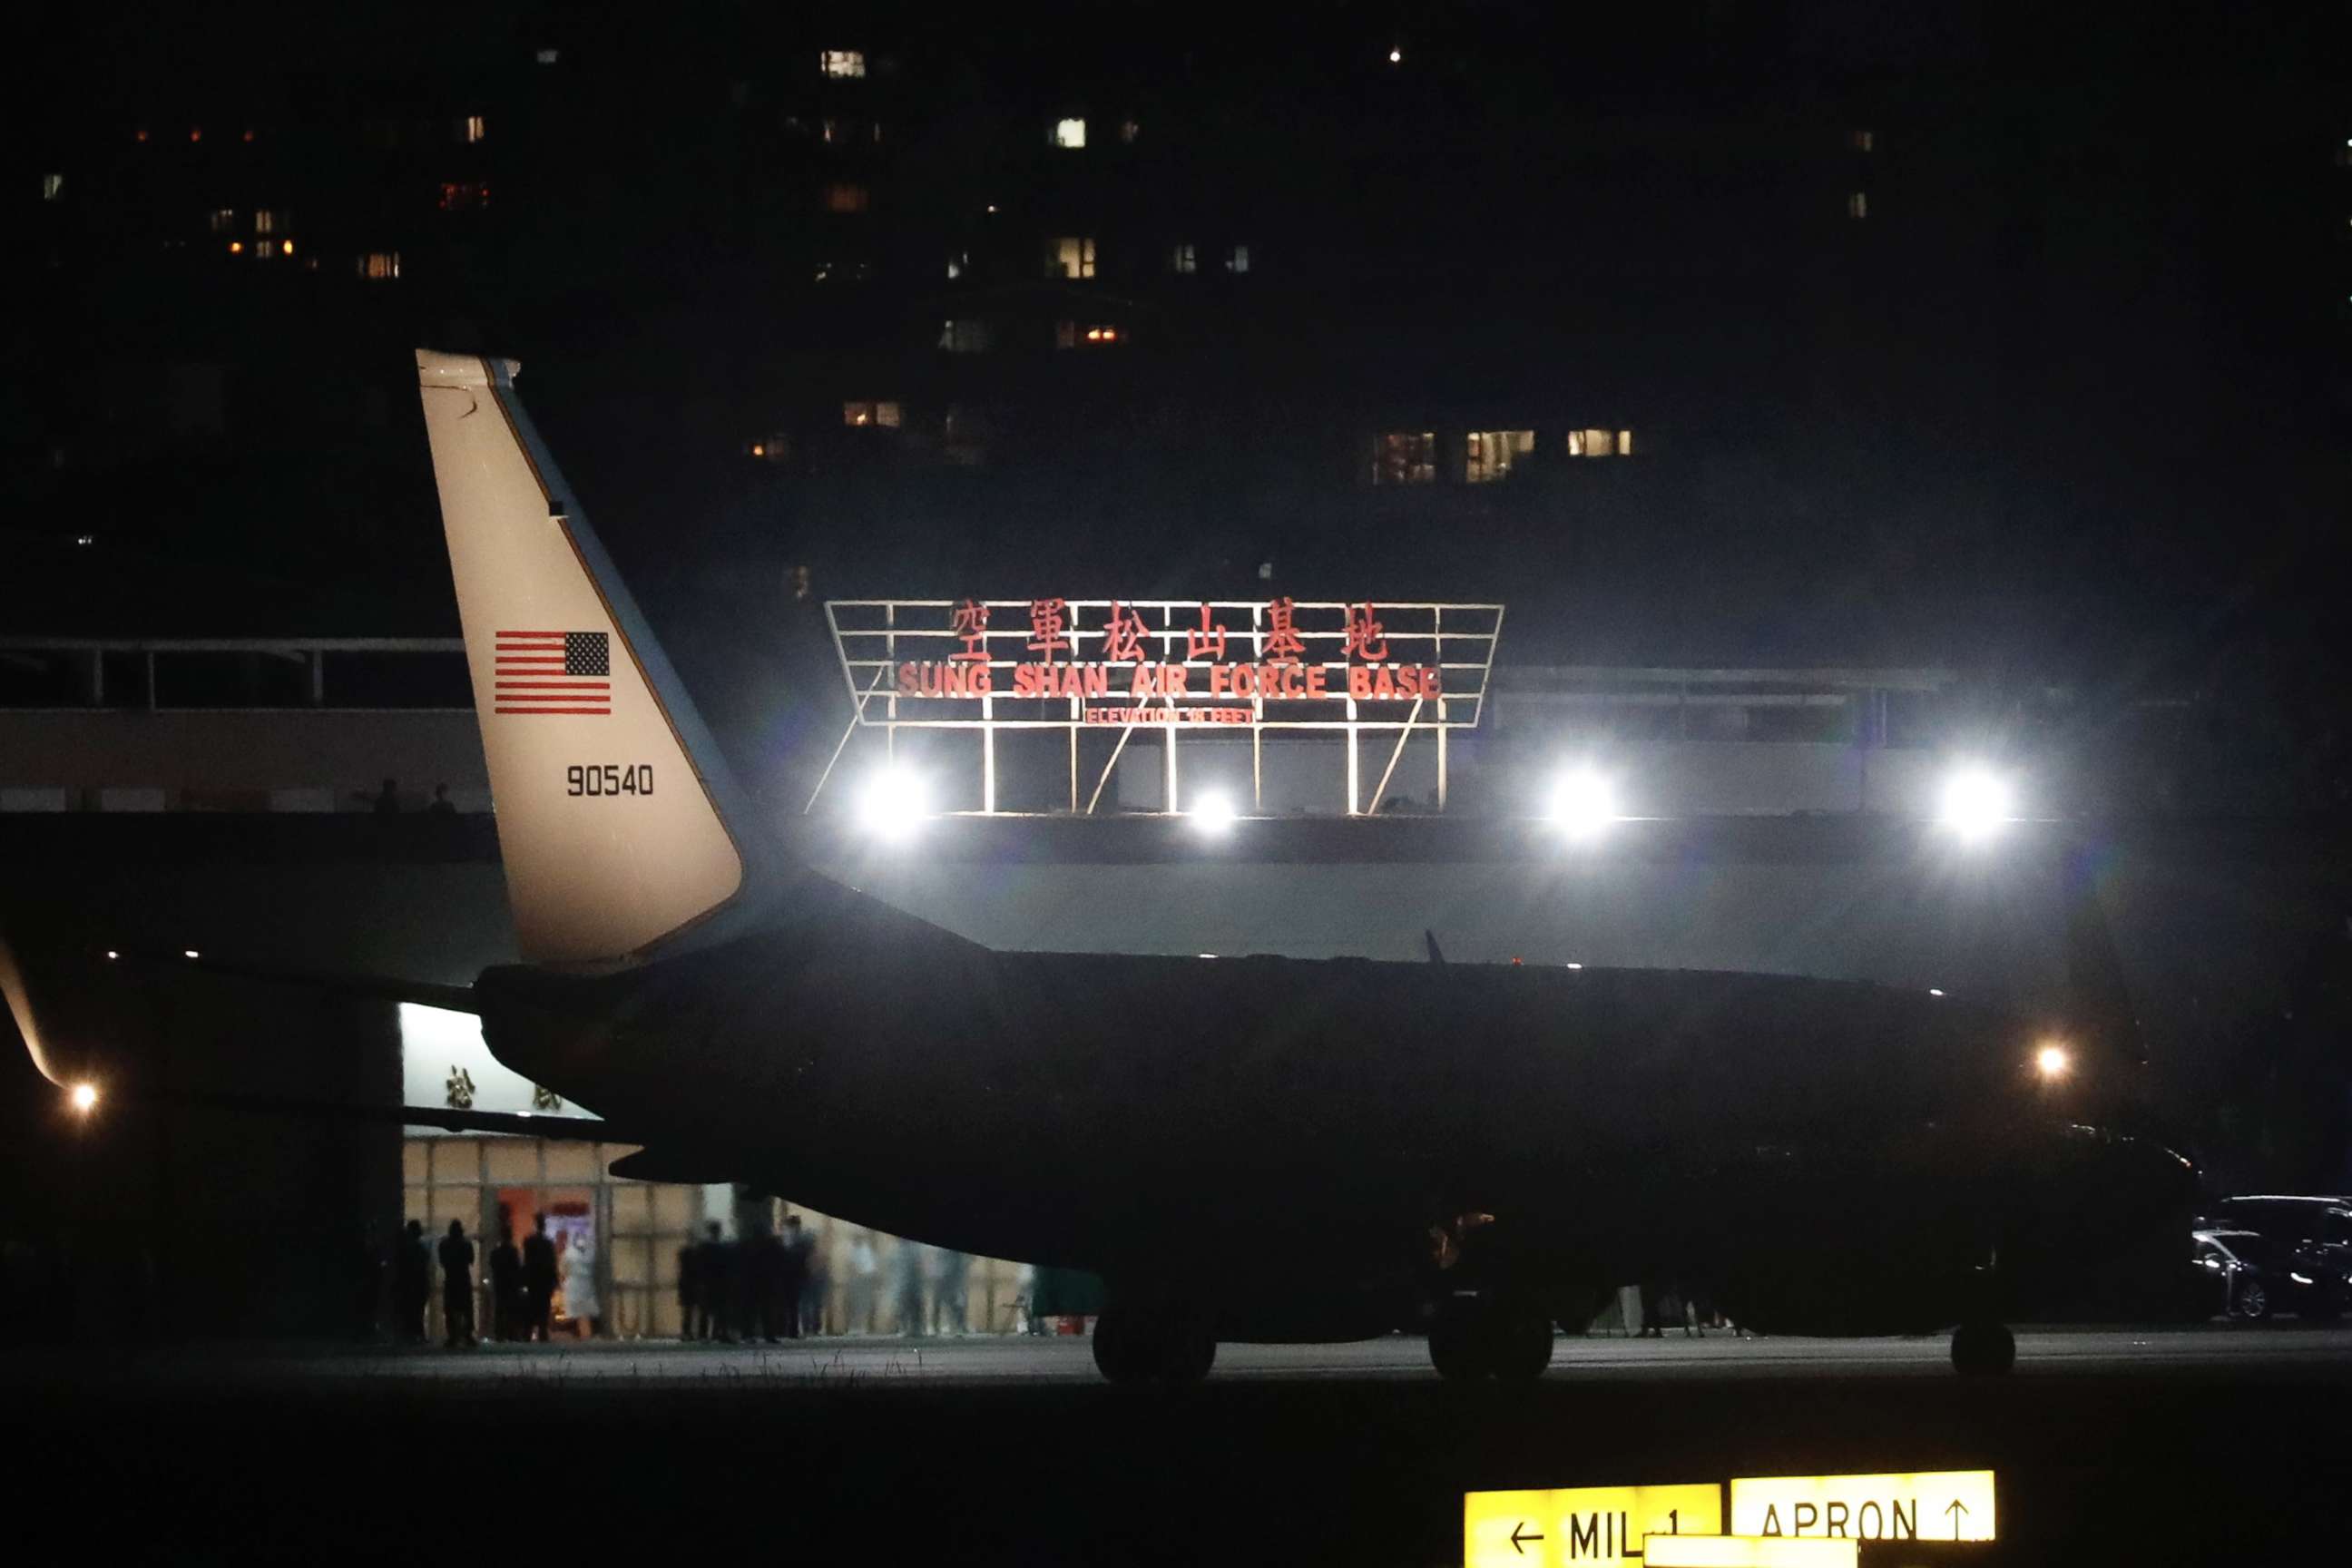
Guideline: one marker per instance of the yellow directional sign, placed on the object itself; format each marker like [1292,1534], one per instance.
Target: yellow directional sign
[1750,1552]
[1597,1525]
[1924,1505]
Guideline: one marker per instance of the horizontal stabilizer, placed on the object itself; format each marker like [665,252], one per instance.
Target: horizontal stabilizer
[673,1165]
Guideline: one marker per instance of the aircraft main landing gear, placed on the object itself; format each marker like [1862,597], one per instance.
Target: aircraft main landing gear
[1476,1337]
[1981,1348]
[1134,1346]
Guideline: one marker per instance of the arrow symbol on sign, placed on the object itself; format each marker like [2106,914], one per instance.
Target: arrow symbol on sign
[1958,1510]
[1516,1538]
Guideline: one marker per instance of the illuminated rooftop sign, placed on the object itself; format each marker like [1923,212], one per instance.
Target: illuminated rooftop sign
[1165,666]
[1281,661]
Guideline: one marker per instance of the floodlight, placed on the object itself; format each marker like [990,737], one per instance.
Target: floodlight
[1976,802]
[2052,1062]
[84,1098]
[1582,803]
[892,803]
[1212,813]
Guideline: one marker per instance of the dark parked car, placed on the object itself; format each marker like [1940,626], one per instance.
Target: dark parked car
[2302,1245]
[2231,1277]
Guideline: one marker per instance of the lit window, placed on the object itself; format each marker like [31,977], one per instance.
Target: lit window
[236,247]
[379,265]
[967,337]
[1857,206]
[843,62]
[267,221]
[959,263]
[1595,443]
[223,219]
[846,198]
[865,416]
[775,448]
[1488,455]
[470,130]
[285,247]
[1073,258]
[52,186]
[1128,130]
[549,56]
[1862,140]
[459,195]
[1184,259]
[1069,134]
[1625,443]
[1087,334]
[1404,457]
[1237,258]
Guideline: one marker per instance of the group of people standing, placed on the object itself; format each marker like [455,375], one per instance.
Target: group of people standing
[523,1281]
[753,1289]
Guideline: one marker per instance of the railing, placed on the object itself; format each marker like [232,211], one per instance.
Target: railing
[1165,666]
[197,673]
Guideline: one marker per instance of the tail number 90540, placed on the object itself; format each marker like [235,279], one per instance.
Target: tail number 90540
[608,778]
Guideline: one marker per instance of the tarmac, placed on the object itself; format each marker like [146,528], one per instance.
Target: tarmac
[2222,1444]
[2282,1349]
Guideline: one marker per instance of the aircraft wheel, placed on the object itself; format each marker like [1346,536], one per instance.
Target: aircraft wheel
[1119,1351]
[1189,1355]
[1133,1347]
[1456,1346]
[1518,1343]
[1983,1349]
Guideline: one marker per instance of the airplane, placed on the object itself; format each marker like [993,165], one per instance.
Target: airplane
[1242,1149]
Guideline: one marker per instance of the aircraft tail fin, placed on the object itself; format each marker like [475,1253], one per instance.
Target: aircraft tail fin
[620,827]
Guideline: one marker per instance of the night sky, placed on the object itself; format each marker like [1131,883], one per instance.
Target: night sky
[2067,404]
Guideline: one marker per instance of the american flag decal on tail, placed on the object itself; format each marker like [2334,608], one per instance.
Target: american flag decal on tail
[554,672]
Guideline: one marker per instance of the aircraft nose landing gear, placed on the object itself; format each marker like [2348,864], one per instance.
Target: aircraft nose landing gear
[1476,1337]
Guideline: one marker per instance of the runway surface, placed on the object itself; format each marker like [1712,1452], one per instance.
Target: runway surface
[2222,1444]
[2283,1349]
